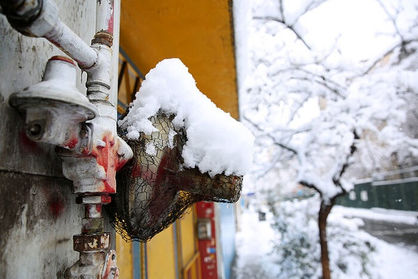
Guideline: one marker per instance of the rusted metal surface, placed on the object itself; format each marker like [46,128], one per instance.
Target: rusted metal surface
[103,38]
[94,173]
[91,242]
[92,225]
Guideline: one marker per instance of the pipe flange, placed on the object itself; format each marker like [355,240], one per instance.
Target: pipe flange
[91,242]
[103,38]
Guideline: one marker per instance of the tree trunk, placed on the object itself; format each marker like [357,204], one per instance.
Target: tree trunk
[324,211]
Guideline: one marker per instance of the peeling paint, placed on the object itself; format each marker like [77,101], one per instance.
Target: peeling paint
[34,244]
[38,215]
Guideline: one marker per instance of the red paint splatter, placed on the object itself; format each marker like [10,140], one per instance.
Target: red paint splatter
[163,191]
[121,164]
[56,205]
[110,22]
[136,171]
[62,58]
[108,158]
[71,143]
[29,145]
[106,199]
[99,208]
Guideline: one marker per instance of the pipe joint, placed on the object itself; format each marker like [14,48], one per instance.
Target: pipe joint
[99,76]
[21,14]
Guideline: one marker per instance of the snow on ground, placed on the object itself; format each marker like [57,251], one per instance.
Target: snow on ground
[379,214]
[254,248]
[256,260]
[216,142]
[396,262]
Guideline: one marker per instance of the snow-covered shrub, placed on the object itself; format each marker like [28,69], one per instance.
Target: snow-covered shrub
[297,244]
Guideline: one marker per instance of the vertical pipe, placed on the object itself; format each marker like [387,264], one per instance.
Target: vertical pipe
[105,16]
[115,48]
[136,259]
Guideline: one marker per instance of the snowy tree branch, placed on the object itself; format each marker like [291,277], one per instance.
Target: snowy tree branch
[273,138]
[353,148]
[288,26]
[392,19]
[402,45]
[322,83]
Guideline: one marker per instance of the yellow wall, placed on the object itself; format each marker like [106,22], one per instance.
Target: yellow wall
[124,259]
[199,32]
[160,255]
[187,244]
[187,231]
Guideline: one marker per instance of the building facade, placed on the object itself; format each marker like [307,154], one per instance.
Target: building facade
[38,212]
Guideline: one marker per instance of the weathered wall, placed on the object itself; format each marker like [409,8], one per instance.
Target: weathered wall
[38,215]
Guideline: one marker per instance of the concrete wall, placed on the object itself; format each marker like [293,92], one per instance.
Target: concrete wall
[38,214]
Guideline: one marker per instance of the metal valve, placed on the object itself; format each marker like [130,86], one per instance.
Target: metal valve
[55,111]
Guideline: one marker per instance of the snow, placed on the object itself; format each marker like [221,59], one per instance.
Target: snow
[395,261]
[216,143]
[380,214]
[331,98]
[351,249]
[304,101]
[394,181]
[150,149]
[242,17]
[254,244]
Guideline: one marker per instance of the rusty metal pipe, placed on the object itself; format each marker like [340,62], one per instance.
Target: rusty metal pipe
[94,176]
[92,171]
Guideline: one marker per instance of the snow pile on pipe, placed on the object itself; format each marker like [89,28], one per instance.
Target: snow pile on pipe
[216,143]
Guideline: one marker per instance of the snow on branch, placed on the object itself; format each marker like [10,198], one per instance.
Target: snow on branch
[290,27]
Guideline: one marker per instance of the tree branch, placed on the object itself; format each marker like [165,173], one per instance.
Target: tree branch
[273,138]
[281,10]
[290,27]
[353,148]
[323,83]
[402,44]
[392,19]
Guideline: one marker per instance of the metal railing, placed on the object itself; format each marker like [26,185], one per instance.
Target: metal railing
[129,81]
